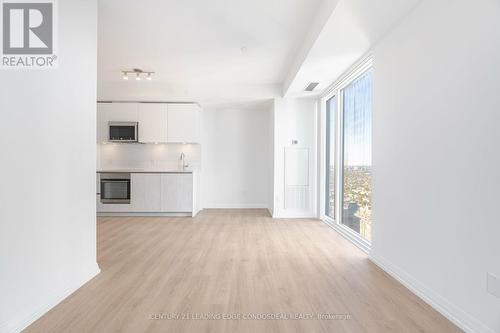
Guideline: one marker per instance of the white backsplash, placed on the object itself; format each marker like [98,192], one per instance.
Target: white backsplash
[113,156]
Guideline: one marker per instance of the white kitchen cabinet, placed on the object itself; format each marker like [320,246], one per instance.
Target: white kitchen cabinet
[158,122]
[107,112]
[112,208]
[124,111]
[145,192]
[152,122]
[171,193]
[183,123]
[103,114]
[177,192]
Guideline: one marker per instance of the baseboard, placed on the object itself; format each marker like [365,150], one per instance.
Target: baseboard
[357,241]
[20,324]
[296,215]
[235,206]
[454,314]
[196,212]
[270,211]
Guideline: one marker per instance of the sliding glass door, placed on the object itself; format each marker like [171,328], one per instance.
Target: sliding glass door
[348,155]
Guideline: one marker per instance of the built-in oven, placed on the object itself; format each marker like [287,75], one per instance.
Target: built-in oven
[123,131]
[115,188]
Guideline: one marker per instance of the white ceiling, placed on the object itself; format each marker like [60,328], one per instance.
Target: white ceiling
[353,29]
[197,45]
[222,52]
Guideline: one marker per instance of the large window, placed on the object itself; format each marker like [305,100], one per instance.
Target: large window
[348,154]
[357,155]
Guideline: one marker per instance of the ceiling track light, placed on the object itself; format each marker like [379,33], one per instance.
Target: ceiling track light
[139,73]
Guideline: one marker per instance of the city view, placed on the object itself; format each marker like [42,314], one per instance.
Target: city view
[357,205]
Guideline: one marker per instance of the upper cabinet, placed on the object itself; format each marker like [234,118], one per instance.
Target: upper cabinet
[107,112]
[183,123]
[103,113]
[158,122]
[152,122]
[124,111]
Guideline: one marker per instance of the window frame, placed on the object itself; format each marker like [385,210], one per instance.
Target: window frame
[336,89]
[328,157]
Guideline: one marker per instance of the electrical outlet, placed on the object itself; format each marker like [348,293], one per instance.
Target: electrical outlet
[493,285]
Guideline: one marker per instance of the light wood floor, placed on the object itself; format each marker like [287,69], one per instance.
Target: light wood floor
[235,262]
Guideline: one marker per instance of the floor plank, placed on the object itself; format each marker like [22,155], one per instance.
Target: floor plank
[239,262]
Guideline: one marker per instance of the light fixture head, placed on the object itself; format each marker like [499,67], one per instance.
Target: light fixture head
[138,74]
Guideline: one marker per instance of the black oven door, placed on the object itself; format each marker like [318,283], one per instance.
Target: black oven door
[115,191]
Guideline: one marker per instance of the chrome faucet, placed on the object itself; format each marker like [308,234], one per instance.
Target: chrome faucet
[183,161]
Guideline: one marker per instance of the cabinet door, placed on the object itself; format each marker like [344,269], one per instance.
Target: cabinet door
[103,115]
[152,123]
[112,208]
[124,111]
[183,123]
[177,193]
[145,192]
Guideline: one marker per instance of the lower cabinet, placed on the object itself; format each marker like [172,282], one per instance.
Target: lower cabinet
[112,208]
[156,193]
[177,192]
[145,192]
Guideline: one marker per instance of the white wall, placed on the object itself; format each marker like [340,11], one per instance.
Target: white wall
[235,156]
[436,157]
[295,119]
[47,191]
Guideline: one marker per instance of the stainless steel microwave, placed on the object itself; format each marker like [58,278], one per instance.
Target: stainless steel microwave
[123,131]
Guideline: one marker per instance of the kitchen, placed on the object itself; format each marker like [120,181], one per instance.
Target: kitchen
[148,159]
